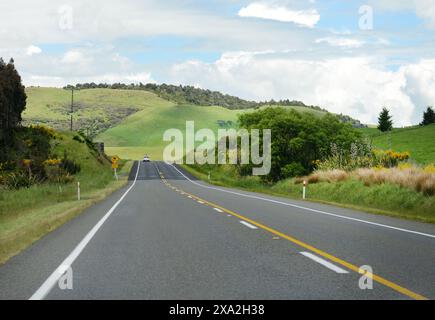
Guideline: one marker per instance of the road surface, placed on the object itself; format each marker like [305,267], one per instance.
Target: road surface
[169,236]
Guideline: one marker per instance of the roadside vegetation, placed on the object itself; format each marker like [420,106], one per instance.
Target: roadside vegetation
[40,169]
[418,141]
[340,165]
[30,212]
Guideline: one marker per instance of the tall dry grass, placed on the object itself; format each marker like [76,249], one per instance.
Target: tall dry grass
[415,178]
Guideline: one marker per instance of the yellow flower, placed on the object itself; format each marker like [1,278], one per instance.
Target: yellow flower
[27,162]
[52,162]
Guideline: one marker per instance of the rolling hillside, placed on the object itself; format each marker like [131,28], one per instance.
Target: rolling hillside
[130,122]
[419,141]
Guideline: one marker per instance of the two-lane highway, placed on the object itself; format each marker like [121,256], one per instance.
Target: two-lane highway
[168,236]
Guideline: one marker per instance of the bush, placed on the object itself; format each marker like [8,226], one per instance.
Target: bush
[293,169]
[19,179]
[69,166]
[58,175]
[300,138]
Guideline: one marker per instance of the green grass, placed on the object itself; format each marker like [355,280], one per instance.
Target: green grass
[419,141]
[385,199]
[132,122]
[143,131]
[51,106]
[28,214]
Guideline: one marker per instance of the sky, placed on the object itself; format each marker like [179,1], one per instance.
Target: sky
[351,57]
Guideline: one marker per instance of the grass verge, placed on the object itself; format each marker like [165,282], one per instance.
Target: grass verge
[26,215]
[383,199]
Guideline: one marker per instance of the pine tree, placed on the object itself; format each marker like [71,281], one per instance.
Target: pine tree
[385,121]
[428,117]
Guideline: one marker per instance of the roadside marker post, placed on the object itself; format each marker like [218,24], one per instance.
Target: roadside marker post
[304,190]
[78,190]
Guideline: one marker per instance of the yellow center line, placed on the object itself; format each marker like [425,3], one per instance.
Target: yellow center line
[322,253]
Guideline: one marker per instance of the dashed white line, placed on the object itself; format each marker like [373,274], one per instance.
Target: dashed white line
[201,202]
[218,210]
[324,263]
[248,225]
[306,208]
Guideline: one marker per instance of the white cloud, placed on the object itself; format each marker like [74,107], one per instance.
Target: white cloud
[31,50]
[341,42]
[354,86]
[306,18]
[73,56]
[55,81]
[425,9]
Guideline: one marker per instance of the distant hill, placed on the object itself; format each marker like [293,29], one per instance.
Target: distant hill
[203,97]
[130,122]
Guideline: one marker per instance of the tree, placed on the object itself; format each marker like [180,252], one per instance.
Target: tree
[385,121]
[428,117]
[12,100]
[298,139]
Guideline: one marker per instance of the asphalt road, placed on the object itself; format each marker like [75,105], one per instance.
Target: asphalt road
[168,236]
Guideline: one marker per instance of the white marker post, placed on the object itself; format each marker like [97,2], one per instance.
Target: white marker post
[78,190]
[209,176]
[304,191]
[116,174]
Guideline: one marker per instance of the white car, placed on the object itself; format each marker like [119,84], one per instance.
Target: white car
[146,159]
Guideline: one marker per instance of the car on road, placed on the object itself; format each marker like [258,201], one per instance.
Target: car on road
[146,159]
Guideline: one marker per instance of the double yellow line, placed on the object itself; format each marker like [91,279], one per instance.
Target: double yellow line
[304,245]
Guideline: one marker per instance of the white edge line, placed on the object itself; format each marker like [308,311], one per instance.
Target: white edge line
[248,225]
[324,263]
[46,287]
[308,209]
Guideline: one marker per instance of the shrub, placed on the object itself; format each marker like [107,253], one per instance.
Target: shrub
[78,139]
[58,175]
[389,158]
[19,179]
[69,166]
[293,169]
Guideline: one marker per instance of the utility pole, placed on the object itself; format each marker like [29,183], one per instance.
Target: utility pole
[72,108]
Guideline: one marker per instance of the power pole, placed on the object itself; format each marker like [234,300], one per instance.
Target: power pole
[72,108]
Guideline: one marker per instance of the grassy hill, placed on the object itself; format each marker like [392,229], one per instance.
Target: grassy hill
[97,108]
[143,131]
[419,141]
[129,122]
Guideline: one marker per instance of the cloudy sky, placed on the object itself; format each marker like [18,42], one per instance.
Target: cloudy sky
[351,57]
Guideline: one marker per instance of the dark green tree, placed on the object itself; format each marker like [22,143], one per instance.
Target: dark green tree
[298,139]
[12,102]
[428,117]
[385,122]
